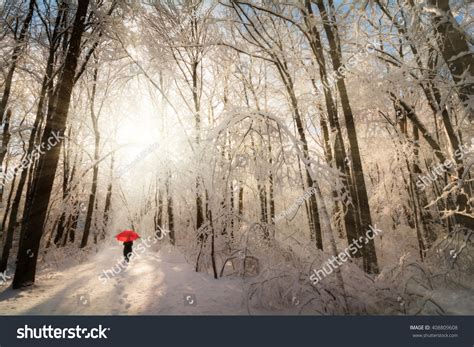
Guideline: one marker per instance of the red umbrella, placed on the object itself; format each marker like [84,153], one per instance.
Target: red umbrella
[127,235]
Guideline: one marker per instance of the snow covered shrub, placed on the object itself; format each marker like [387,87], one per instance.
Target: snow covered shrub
[455,254]
[58,257]
[244,255]
[285,285]
[409,287]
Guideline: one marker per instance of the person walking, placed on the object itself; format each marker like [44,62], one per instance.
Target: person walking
[127,237]
[127,250]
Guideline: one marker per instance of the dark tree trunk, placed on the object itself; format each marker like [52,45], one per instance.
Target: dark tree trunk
[241,200]
[62,220]
[330,28]
[351,215]
[46,90]
[7,235]
[232,209]
[32,229]
[197,119]
[108,197]
[169,205]
[7,208]
[158,217]
[429,234]
[71,225]
[95,172]
[213,252]
[4,150]
[270,178]
[455,51]
[46,84]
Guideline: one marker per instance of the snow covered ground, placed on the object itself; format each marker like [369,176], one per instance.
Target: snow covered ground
[153,283]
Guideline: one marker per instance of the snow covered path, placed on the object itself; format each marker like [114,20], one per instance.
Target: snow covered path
[153,283]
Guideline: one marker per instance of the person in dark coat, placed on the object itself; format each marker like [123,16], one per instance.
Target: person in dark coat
[127,250]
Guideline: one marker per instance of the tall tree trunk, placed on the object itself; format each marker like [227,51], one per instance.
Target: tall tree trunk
[158,217]
[455,51]
[108,197]
[62,220]
[45,94]
[270,177]
[241,200]
[429,235]
[197,119]
[71,225]
[95,171]
[169,205]
[213,251]
[32,229]
[352,214]
[4,150]
[261,189]
[7,235]
[7,208]
[330,28]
